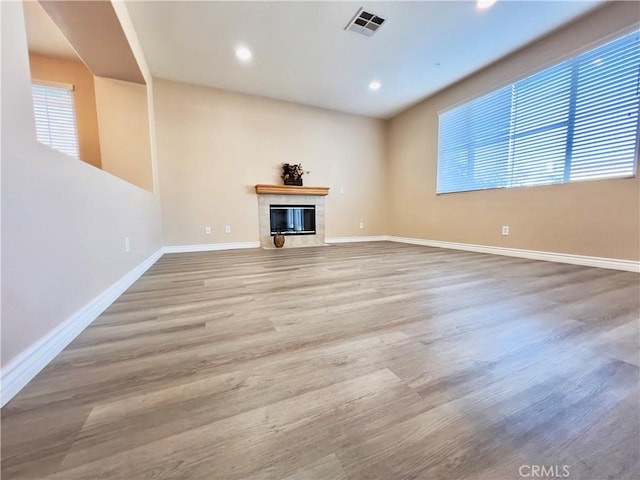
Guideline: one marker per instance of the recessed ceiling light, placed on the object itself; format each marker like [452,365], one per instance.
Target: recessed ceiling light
[485,3]
[243,54]
[374,85]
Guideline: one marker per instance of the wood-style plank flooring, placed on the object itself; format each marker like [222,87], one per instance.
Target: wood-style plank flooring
[356,361]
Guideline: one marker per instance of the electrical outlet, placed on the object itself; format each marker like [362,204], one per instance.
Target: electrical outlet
[505,230]
[341,190]
[207,230]
[227,229]
[361,225]
[127,245]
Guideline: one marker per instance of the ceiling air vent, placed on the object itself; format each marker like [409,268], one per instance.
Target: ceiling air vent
[365,23]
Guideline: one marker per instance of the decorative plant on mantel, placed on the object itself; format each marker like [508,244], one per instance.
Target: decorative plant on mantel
[292,173]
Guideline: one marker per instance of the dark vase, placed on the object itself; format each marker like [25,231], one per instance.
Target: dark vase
[278,241]
[293,181]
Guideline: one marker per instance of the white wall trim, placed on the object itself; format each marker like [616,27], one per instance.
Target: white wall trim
[209,247]
[22,369]
[600,262]
[379,238]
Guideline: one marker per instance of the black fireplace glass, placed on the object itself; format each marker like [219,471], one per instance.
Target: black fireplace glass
[293,219]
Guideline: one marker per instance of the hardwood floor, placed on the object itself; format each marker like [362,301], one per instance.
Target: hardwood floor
[355,361]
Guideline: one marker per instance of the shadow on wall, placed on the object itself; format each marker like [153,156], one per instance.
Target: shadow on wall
[101,121]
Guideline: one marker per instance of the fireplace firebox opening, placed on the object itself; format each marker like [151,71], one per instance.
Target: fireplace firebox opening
[293,219]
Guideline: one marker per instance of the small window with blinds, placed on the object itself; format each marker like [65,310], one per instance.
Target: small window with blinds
[56,118]
[578,120]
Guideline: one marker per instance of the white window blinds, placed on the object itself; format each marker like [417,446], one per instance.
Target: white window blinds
[56,118]
[575,121]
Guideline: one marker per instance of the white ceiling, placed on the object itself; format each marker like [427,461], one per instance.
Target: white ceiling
[301,52]
[43,36]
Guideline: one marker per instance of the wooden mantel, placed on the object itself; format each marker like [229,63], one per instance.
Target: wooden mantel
[291,190]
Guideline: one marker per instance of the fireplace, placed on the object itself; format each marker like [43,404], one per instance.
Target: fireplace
[303,229]
[292,219]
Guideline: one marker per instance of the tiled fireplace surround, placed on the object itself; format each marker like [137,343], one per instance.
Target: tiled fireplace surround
[270,195]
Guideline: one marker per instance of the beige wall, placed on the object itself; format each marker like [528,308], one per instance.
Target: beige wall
[63,221]
[76,74]
[123,120]
[214,146]
[598,218]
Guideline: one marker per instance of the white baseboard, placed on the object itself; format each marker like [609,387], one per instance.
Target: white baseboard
[30,362]
[209,247]
[379,238]
[612,263]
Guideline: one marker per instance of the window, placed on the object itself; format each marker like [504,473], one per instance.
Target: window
[56,118]
[578,120]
